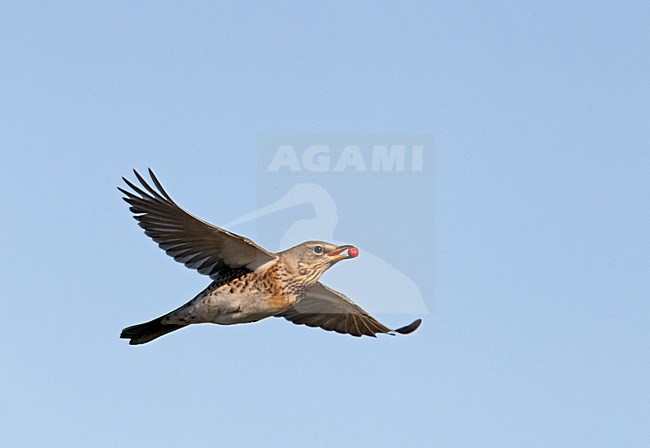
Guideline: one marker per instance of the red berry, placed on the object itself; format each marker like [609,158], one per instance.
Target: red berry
[353,252]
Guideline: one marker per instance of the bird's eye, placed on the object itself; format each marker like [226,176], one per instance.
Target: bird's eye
[318,250]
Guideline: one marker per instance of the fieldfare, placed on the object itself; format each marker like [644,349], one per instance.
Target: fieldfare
[248,282]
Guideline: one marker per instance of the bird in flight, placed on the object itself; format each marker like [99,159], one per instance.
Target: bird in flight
[248,282]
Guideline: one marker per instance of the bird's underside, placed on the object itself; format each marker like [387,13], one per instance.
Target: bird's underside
[248,282]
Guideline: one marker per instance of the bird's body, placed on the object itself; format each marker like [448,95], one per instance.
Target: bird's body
[241,300]
[246,298]
[249,283]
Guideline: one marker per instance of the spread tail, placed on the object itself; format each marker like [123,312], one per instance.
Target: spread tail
[148,331]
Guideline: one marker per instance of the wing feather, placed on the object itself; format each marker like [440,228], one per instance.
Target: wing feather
[332,311]
[186,238]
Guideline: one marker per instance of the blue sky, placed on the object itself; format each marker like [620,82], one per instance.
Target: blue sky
[539,331]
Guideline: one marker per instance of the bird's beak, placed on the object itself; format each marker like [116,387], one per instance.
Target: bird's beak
[343,252]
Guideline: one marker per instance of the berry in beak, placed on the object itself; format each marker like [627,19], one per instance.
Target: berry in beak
[339,252]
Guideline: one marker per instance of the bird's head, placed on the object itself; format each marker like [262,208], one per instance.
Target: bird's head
[309,260]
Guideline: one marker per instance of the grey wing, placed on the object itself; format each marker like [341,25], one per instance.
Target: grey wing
[332,311]
[189,240]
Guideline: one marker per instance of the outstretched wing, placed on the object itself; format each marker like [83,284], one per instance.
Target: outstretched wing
[191,241]
[332,311]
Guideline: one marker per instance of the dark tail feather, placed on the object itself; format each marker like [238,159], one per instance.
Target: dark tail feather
[148,331]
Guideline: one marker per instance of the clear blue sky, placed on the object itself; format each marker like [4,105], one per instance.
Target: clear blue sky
[540,112]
